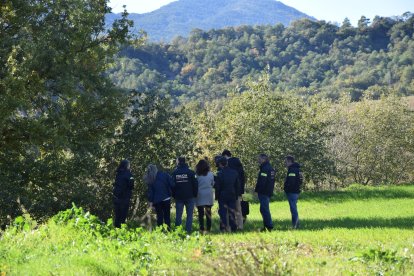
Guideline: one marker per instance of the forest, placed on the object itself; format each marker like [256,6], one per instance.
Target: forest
[308,58]
[77,97]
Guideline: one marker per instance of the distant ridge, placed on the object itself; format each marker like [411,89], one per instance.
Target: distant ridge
[180,17]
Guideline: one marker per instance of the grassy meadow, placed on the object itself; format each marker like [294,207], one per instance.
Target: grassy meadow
[359,230]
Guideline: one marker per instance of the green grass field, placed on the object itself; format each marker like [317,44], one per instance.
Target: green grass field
[359,230]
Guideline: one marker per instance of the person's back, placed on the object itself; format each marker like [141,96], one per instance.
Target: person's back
[185,192]
[293,180]
[205,189]
[185,183]
[235,164]
[124,185]
[160,189]
[227,184]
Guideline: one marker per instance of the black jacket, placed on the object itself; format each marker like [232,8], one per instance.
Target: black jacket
[265,180]
[185,183]
[227,184]
[123,186]
[235,164]
[294,179]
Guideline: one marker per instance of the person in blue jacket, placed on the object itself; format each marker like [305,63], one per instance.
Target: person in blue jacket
[292,188]
[122,192]
[185,192]
[159,193]
[264,189]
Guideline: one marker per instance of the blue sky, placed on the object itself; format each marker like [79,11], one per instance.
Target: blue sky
[329,10]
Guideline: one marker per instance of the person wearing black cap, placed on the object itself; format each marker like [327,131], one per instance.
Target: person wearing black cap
[292,188]
[122,192]
[227,189]
[185,192]
[235,164]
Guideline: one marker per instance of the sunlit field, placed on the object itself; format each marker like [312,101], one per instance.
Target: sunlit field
[354,231]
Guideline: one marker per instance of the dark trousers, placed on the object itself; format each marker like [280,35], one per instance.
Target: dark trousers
[121,213]
[227,207]
[163,210]
[204,210]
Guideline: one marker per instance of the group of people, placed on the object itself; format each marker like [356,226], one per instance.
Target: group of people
[200,188]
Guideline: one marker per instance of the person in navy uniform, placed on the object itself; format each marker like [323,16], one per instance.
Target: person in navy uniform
[264,189]
[185,192]
[227,189]
[122,192]
[235,164]
[292,188]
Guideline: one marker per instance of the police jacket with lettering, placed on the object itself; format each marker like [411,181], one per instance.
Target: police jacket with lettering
[293,182]
[235,164]
[185,183]
[123,186]
[265,180]
[227,184]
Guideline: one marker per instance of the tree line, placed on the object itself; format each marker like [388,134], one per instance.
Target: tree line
[307,57]
[65,122]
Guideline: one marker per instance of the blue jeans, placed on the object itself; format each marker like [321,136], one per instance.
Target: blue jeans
[189,209]
[265,211]
[293,200]
[227,206]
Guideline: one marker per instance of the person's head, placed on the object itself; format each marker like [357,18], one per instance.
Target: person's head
[263,158]
[222,162]
[217,159]
[289,160]
[202,167]
[150,174]
[226,153]
[180,161]
[124,165]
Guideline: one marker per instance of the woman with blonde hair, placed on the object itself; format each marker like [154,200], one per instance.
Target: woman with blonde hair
[159,193]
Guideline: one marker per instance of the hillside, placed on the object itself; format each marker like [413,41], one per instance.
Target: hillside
[180,17]
[308,58]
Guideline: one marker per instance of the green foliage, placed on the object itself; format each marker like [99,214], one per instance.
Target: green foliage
[57,109]
[372,141]
[308,58]
[336,238]
[260,121]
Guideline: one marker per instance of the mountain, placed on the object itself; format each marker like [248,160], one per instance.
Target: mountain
[180,17]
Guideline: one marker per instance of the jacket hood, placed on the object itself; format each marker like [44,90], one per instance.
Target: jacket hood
[266,164]
[182,166]
[295,165]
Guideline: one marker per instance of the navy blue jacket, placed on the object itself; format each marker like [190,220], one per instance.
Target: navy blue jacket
[294,179]
[227,184]
[185,183]
[160,189]
[265,180]
[123,186]
[235,164]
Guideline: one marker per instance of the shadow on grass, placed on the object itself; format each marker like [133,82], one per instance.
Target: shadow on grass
[320,224]
[363,193]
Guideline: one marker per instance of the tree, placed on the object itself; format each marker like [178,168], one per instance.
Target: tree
[57,107]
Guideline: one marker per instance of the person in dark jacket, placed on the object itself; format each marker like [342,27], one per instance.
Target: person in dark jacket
[264,189]
[292,188]
[235,164]
[122,192]
[185,192]
[227,187]
[159,194]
